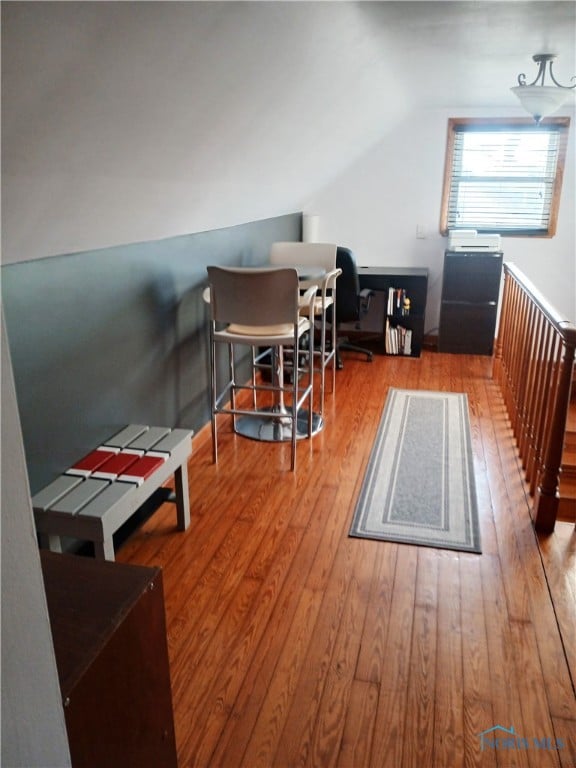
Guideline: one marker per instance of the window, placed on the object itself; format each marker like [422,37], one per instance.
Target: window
[503,176]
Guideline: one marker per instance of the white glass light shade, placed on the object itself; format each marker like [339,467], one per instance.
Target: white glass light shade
[541,100]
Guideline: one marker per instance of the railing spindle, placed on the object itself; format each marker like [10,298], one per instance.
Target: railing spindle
[534,366]
[531,386]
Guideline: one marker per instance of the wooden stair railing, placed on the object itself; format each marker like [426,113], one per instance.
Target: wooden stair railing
[533,366]
[567,507]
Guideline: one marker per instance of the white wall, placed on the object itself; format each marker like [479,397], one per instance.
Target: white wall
[33,727]
[376,206]
[132,121]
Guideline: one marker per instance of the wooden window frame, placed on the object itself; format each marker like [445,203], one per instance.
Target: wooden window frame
[561,123]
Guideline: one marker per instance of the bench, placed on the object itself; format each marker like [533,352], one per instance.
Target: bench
[99,493]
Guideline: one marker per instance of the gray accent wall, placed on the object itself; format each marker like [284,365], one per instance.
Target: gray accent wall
[104,338]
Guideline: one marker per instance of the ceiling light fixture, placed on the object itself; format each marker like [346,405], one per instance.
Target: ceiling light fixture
[537,98]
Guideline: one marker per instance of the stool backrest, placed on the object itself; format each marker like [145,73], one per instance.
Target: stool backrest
[254,296]
[296,254]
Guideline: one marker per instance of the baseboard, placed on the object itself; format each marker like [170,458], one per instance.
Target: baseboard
[430,342]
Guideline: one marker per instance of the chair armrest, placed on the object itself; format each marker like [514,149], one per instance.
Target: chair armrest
[333,274]
[329,281]
[307,299]
[365,295]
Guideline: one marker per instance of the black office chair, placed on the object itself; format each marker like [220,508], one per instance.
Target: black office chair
[351,302]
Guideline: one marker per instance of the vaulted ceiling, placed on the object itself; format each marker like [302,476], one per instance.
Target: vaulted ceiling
[243,101]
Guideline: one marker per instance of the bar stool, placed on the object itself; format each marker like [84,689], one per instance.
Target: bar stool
[315,256]
[259,307]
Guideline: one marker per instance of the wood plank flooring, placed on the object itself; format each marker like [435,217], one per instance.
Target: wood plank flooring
[292,644]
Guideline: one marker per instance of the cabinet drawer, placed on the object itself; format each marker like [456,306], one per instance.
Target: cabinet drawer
[467,328]
[473,278]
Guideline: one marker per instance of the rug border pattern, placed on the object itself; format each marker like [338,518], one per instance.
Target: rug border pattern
[470,542]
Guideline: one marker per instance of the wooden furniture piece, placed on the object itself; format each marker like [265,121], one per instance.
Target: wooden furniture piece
[469,306]
[109,633]
[534,366]
[413,281]
[92,499]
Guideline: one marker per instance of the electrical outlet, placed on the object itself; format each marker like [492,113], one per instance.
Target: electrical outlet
[420,232]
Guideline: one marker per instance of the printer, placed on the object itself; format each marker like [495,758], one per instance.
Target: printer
[470,240]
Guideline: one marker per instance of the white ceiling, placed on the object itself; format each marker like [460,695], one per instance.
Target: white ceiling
[282,95]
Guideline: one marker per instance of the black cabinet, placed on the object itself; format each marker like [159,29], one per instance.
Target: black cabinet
[470,293]
[407,283]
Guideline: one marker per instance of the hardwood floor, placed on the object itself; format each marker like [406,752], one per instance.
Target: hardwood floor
[292,644]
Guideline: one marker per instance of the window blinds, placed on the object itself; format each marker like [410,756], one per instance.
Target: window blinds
[503,180]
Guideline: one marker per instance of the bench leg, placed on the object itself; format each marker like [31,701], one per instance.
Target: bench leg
[48,541]
[104,550]
[182,497]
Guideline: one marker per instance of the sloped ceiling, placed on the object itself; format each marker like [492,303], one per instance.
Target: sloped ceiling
[200,115]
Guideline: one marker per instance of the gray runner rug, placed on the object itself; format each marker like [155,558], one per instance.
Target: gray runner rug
[419,485]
